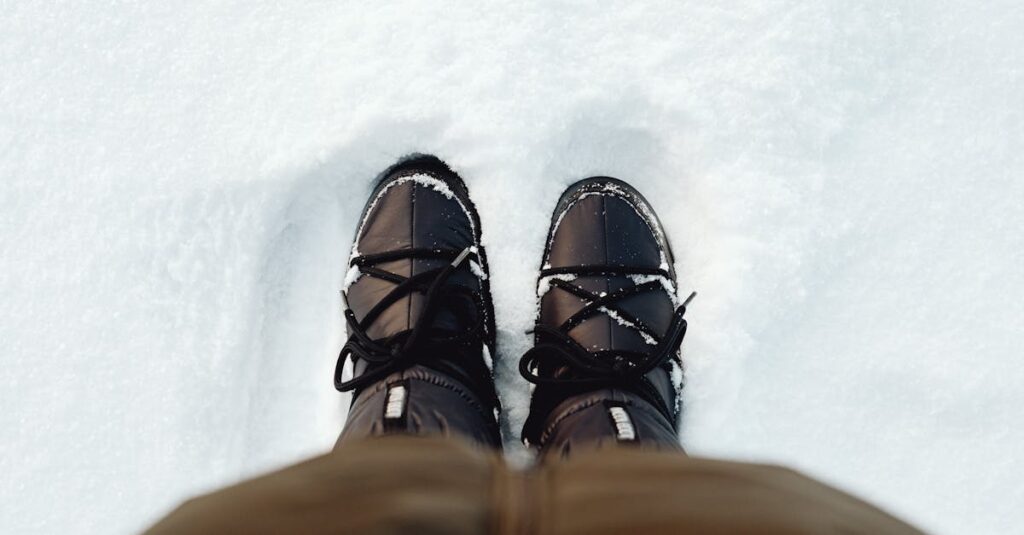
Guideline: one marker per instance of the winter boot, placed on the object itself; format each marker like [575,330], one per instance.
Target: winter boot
[606,361]
[419,312]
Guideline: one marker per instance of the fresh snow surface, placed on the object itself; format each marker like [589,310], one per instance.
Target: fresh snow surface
[179,183]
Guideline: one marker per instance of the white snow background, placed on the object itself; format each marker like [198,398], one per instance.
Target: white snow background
[843,183]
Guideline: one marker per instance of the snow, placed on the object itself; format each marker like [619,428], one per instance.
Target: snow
[648,339]
[488,359]
[180,182]
[477,270]
[666,284]
[351,276]
[544,286]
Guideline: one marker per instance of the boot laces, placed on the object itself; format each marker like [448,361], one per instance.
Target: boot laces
[410,347]
[591,370]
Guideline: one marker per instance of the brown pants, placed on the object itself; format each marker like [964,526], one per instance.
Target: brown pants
[423,485]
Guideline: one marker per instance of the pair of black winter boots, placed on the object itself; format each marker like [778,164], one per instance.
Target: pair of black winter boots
[605,361]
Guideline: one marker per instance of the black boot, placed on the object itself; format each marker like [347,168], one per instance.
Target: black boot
[420,317]
[606,362]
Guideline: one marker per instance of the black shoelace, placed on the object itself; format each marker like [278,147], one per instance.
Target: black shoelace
[592,370]
[407,348]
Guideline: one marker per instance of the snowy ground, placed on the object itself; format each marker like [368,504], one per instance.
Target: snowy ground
[179,181]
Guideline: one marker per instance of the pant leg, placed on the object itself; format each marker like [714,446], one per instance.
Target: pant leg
[623,489]
[390,485]
[404,484]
